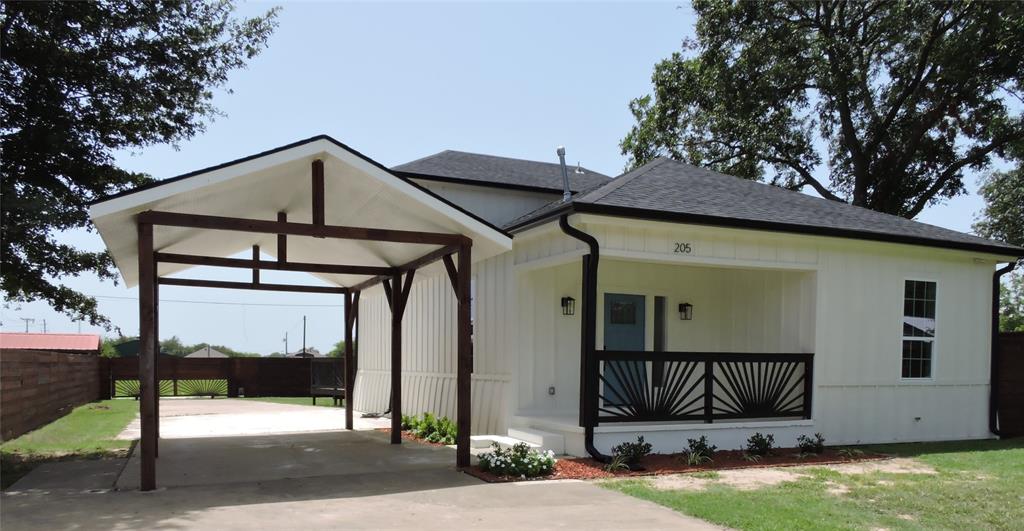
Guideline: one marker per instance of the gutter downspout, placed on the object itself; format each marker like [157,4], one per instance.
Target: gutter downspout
[993,400]
[587,330]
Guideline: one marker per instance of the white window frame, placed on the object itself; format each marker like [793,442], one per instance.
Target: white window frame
[934,339]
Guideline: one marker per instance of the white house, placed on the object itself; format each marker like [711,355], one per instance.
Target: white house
[670,301]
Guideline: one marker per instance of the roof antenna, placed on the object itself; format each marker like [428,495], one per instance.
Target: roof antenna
[579,169]
[566,193]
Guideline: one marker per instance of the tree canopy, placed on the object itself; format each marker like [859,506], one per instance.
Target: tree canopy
[1003,219]
[881,104]
[79,80]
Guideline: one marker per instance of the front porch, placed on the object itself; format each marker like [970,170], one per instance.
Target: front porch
[738,358]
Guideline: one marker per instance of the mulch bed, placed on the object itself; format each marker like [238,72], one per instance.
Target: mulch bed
[658,464]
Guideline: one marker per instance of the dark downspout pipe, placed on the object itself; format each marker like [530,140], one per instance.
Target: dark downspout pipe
[993,397]
[587,330]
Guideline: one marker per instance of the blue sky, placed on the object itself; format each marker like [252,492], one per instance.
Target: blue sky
[397,82]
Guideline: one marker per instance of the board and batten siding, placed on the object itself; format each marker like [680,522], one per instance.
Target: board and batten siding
[429,347]
[856,317]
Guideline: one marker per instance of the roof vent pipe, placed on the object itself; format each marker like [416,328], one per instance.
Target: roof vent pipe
[566,193]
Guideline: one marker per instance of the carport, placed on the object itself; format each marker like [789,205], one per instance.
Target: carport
[315,206]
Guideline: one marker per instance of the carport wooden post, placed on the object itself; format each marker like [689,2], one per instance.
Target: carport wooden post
[349,376]
[147,356]
[465,357]
[396,359]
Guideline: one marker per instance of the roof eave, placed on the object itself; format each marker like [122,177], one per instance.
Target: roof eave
[768,226]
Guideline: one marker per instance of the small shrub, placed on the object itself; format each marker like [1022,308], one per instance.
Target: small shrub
[699,451]
[811,445]
[752,458]
[850,453]
[760,445]
[617,463]
[430,428]
[630,452]
[520,460]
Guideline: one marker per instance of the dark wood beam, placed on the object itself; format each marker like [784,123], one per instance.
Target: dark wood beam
[255,264]
[282,239]
[453,274]
[196,221]
[387,293]
[412,265]
[147,357]
[318,192]
[396,359]
[349,357]
[407,288]
[197,283]
[301,267]
[464,374]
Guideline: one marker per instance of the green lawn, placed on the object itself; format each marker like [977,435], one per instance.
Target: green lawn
[89,431]
[325,401]
[978,485]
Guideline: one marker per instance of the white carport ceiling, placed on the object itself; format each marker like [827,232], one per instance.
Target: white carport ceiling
[358,193]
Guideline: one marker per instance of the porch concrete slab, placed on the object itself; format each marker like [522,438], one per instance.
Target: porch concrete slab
[221,417]
[220,460]
[81,475]
[418,499]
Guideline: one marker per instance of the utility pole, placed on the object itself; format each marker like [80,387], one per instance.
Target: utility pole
[27,321]
[44,326]
[286,344]
[303,335]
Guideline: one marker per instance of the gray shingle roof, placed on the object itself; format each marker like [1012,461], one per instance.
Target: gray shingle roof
[461,166]
[668,189]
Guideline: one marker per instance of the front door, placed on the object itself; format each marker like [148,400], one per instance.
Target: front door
[623,330]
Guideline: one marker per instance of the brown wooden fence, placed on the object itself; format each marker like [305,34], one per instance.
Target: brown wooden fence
[1011,383]
[38,387]
[245,376]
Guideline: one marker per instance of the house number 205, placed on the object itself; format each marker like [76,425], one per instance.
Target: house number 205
[683,248]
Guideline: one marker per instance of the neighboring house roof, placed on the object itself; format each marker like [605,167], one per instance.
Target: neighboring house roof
[19,340]
[669,190]
[489,170]
[207,352]
[309,352]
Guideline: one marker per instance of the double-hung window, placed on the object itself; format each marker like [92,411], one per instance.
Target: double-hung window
[918,328]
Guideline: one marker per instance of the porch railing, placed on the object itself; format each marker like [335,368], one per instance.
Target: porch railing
[626,386]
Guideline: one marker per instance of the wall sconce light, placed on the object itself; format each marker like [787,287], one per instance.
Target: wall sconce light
[685,311]
[568,306]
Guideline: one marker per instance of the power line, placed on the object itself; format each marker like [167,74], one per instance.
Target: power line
[224,303]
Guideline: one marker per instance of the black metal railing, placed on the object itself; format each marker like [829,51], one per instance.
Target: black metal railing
[625,386]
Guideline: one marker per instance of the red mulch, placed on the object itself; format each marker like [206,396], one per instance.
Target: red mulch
[408,436]
[656,464]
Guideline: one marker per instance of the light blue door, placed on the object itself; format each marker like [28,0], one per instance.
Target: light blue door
[623,330]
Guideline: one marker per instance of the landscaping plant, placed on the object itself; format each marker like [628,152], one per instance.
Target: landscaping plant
[520,460]
[811,445]
[631,452]
[431,428]
[699,451]
[760,445]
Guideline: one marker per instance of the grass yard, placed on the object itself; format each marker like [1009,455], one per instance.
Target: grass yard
[975,485]
[324,401]
[89,431]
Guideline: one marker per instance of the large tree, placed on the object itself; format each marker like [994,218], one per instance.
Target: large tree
[1003,219]
[883,104]
[79,80]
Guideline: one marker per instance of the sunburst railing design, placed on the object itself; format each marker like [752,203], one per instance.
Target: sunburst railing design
[699,386]
[191,387]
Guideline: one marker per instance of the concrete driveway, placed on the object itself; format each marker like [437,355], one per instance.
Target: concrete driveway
[351,480]
[228,417]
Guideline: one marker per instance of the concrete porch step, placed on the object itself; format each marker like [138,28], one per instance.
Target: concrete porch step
[546,440]
[483,442]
